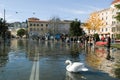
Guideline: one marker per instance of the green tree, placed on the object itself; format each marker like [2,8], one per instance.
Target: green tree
[21,32]
[3,27]
[96,37]
[117,17]
[75,29]
[118,13]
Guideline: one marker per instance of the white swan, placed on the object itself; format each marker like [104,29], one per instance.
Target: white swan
[75,67]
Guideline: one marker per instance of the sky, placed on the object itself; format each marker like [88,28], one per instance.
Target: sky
[21,10]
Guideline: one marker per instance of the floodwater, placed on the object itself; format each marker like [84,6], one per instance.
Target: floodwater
[45,60]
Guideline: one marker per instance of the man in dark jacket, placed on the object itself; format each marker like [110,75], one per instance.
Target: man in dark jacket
[108,41]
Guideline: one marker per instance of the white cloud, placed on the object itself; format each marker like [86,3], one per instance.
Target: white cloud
[86,9]
[11,18]
[93,8]
[73,11]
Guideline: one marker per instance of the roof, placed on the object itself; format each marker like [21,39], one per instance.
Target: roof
[115,1]
[33,19]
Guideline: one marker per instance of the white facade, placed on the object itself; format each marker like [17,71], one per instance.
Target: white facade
[14,27]
[108,16]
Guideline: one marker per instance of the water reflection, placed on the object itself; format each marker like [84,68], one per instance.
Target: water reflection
[74,50]
[4,49]
[117,72]
[109,57]
[104,59]
[19,56]
[74,76]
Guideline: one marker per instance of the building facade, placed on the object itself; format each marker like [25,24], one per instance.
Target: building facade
[111,24]
[36,26]
[41,28]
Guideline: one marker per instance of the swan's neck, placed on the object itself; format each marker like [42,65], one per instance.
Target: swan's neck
[70,63]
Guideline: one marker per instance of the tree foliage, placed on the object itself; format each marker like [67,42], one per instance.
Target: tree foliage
[3,27]
[96,37]
[94,22]
[21,32]
[75,29]
[118,13]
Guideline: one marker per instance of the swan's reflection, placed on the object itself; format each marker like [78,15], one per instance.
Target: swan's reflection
[74,76]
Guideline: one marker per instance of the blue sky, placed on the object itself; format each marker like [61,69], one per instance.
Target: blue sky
[21,10]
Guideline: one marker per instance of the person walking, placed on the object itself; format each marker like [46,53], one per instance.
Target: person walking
[108,41]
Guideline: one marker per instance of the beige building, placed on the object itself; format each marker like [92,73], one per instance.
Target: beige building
[108,15]
[40,28]
[36,26]
[60,27]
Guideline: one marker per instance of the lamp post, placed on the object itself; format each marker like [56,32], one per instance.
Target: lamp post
[4,27]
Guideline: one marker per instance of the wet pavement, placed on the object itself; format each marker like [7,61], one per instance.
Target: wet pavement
[45,60]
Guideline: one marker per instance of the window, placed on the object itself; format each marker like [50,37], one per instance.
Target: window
[41,24]
[106,23]
[34,24]
[102,13]
[106,18]
[46,25]
[30,24]
[41,29]
[112,11]
[113,22]
[102,29]
[30,29]
[102,18]
[37,24]
[106,29]
[112,29]
[117,28]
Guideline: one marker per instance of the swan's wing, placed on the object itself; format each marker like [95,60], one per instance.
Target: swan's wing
[78,64]
[75,67]
[84,69]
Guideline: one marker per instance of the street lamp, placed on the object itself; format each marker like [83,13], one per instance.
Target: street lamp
[4,26]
